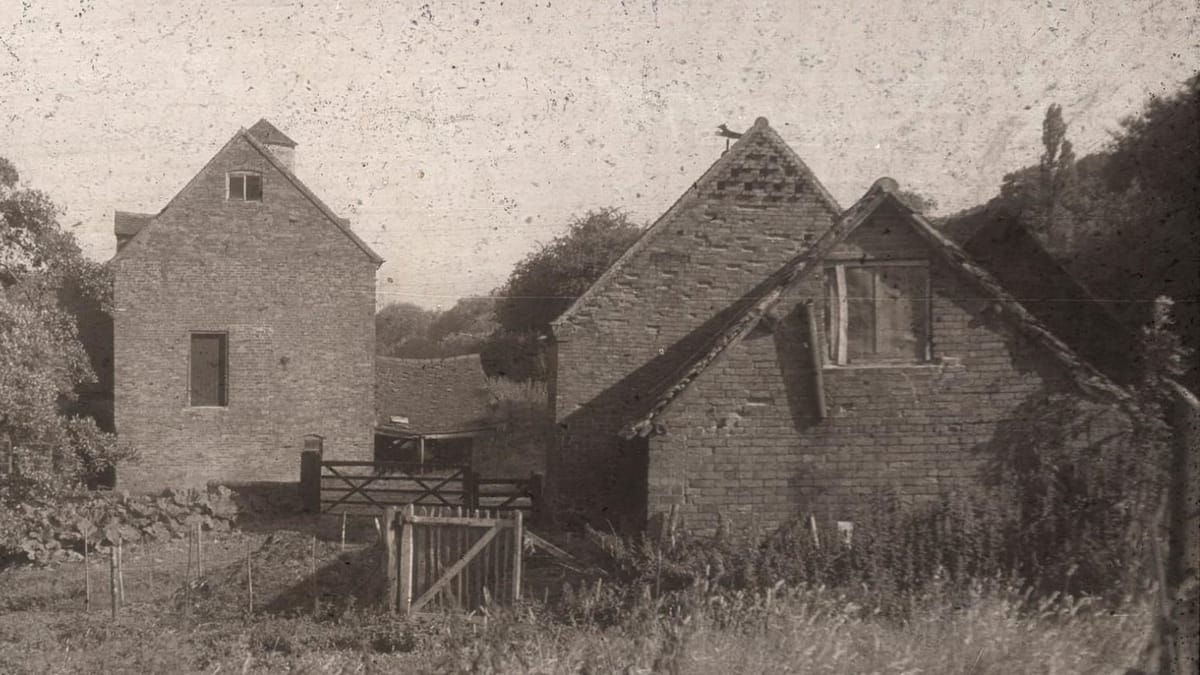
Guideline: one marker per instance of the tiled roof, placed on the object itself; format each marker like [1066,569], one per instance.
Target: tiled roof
[1086,377]
[269,134]
[127,224]
[434,395]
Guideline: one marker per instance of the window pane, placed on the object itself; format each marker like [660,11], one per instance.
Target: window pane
[860,320]
[237,187]
[902,324]
[253,188]
[208,361]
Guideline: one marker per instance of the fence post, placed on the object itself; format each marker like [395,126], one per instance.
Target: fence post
[517,552]
[389,553]
[310,473]
[470,489]
[535,498]
[406,560]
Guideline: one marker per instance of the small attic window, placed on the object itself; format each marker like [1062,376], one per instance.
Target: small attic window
[244,186]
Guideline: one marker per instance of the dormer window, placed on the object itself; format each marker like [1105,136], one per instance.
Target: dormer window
[244,186]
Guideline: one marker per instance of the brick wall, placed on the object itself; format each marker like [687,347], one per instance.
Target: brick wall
[297,299]
[745,440]
[682,282]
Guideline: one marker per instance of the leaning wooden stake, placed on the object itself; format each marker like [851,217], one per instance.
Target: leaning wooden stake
[389,557]
[249,580]
[343,533]
[312,573]
[120,573]
[87,576]
[112,578]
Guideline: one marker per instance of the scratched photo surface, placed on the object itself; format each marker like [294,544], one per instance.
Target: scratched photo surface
[628,336]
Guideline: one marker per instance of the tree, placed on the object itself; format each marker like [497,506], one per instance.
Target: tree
[405,330]
[546,282]
[44,279]
[1155,165]
[1121,221]
[400,330]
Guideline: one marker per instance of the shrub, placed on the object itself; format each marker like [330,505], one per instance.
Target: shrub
[42,525]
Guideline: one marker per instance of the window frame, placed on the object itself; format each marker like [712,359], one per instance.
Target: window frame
[223,396]
[229,195]
[837,337]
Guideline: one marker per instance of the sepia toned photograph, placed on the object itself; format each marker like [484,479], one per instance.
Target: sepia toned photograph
[588,337]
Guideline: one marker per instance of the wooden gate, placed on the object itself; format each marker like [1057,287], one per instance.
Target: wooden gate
[370,487]
[451,558]
[367,488]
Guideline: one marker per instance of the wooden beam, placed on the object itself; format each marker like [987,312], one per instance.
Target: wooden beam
[816,362]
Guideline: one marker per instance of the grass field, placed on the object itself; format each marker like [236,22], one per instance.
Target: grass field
[209,627]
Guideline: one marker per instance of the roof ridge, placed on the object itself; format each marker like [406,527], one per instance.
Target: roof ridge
[761,126]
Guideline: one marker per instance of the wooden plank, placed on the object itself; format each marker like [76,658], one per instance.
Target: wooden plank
[417,466]
[462,521]
[496,587]
[389,565]
[458,533]
[456,568]
[418,568]
[518,533]
[406,563]
[436,557]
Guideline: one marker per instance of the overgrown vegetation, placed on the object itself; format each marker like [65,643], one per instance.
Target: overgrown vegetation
[43,525]
[1122,220]
[45,281]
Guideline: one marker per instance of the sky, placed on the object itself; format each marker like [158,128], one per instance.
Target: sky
[458,136]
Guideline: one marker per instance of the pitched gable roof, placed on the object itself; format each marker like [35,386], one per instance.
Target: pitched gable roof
[760,168]
[432,396]
[1086,377]
[341,224]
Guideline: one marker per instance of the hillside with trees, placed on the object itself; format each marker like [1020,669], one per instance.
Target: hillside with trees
[1123,221]
[507,327]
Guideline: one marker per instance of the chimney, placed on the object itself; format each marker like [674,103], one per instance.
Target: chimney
[276,141]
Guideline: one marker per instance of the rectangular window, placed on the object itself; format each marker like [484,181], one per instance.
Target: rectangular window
[209,361]
[245,187]
[877,312]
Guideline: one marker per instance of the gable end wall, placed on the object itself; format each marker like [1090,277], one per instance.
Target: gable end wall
[297,299]
[744,440]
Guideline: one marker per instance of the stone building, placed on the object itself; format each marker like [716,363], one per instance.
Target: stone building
[244,321]
[762,352]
